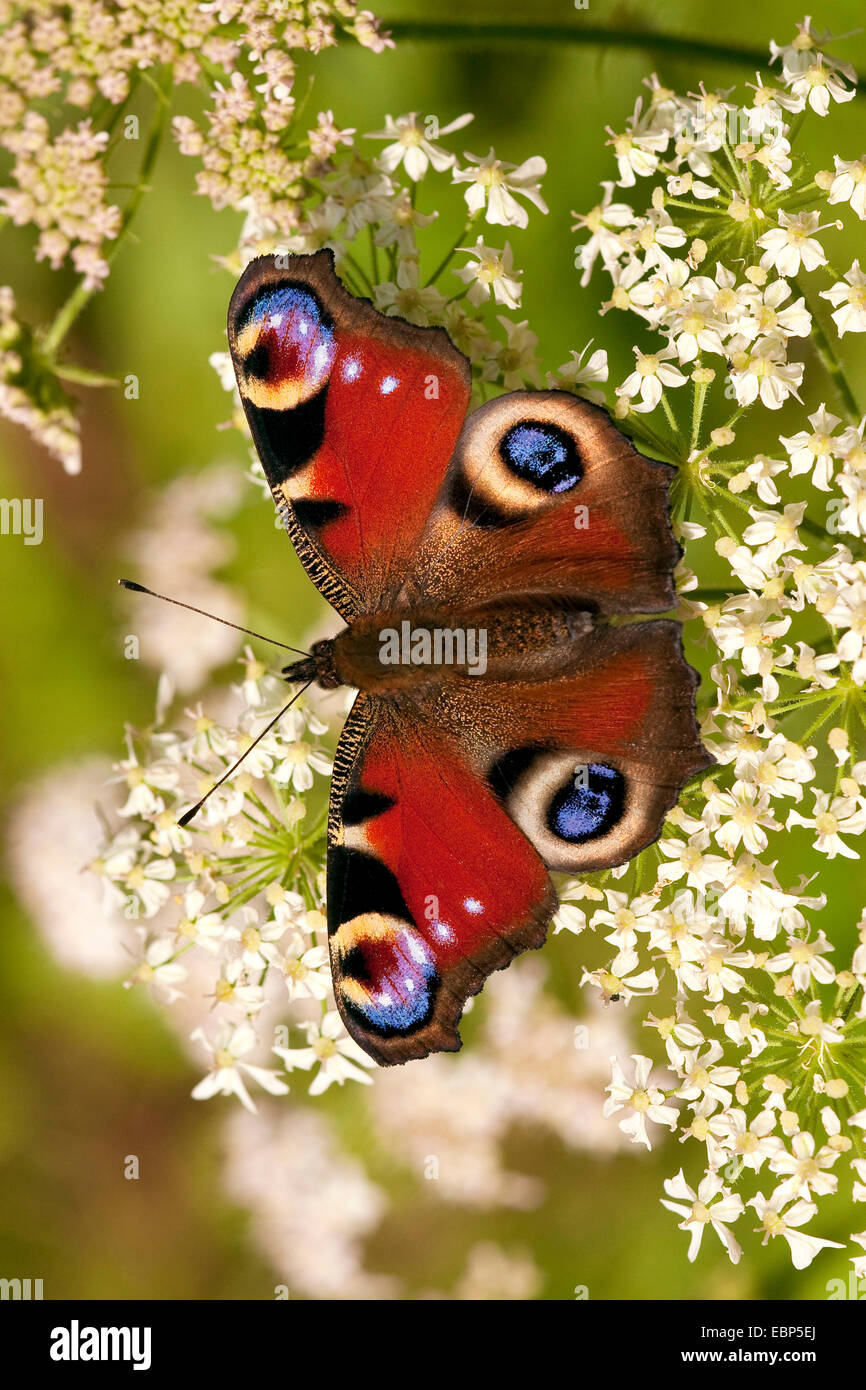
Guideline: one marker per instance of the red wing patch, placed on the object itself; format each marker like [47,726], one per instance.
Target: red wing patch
[354,415]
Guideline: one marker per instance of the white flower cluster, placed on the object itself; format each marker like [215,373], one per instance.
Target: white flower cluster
[97,58]
[230,911]
[365,211]
[763,1031]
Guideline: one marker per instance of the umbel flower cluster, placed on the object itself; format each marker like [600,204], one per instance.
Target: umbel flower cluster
[73,80]
[754,1020]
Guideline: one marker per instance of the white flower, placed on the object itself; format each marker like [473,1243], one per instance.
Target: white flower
[643,1101]
[760,472]
[721,970]
[412,144]
[148,885]
[159,969]
[622,979]
[727,299]
[775,534]
[398,227]
[492,274]
[779,768]
[752,1143]
[628,289]
[765,314]
[626,916]
[833,818]
[742,815]
[792,244]
[805,961]
[748,626]
[637,153]
[338,1056]
[849,184]
[696,329]
[306,970]
[713,1204]
[762,370]
[298,764]
[820,80]
[664,294]
[817,668]
[516,361]
[257,941]
[603,222]
[652,373]
[813,451]
[225,1077]
[493,184]
[774,155]
[205,929]
[797,54]
[776,1222]
[849,300]
[580,376]
[849,611]
[702,1079]
[807,1170]
[690,858]
[145,784]
[655,235]
[364,200]
[233,988]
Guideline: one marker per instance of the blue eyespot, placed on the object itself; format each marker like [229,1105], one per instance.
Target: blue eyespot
[589,805]
[294,339]
[389,980]
[542,454]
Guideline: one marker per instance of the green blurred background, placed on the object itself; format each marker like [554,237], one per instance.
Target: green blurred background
[88,1071]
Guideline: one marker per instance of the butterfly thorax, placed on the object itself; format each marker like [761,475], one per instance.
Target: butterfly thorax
[393,651]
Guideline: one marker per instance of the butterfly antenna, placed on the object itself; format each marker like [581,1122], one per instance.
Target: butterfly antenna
[134,588]
[194,810]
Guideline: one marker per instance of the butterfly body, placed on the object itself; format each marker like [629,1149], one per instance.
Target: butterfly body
[517,710]
[406,651]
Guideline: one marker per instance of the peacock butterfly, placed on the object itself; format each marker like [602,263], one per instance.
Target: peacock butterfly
[507,722]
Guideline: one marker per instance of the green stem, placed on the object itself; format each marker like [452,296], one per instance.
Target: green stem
[81,295]
[580,34]
[701,388]
[374,255]
[671,419]
[447,258]
[67,371]
[359,270]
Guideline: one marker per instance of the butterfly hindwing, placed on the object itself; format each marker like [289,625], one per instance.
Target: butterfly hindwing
[431,886]
[447,813]
[354,416]
[586,763]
